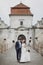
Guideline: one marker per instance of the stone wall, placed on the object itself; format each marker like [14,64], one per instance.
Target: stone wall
[5,45]
[39,47]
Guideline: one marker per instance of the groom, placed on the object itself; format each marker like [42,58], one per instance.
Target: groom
[18,47]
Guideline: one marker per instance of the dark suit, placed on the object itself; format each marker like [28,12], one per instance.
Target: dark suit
[18,50]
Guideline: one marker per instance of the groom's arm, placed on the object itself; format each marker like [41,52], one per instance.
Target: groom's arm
[16,45]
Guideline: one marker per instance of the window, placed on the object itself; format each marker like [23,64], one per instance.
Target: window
[30,37]
[30,41]
[36,38]
[13,41]
[4,38]
[21,22]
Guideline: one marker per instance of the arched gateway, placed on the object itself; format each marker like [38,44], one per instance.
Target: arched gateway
[22,37]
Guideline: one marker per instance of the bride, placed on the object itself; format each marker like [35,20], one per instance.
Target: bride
[25,55]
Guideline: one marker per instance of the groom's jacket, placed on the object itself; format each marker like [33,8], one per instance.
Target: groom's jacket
[17,46]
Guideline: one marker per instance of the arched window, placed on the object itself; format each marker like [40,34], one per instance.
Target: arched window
[21,22]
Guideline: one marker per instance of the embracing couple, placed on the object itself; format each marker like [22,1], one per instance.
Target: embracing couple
[18,46]
[22,54]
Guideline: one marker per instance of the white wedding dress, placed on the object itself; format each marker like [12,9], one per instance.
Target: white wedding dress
[25,55]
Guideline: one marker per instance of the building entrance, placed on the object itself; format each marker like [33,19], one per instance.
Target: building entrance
[22,37]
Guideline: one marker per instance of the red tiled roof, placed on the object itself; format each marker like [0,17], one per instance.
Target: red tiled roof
[21,9]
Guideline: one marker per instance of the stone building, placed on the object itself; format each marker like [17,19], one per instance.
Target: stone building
[20,26]
[20,21]
[39,36]
[3,34]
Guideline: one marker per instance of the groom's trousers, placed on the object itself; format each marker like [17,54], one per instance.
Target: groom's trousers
[19,54]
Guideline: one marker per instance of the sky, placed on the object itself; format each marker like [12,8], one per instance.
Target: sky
[36,7]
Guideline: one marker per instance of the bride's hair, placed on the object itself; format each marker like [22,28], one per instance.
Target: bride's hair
[24,41]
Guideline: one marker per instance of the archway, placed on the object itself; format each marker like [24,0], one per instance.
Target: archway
[22,37]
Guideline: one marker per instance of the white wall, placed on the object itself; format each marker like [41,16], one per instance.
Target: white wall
[15,21]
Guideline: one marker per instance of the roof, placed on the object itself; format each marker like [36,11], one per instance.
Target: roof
[21,5]
[21,9]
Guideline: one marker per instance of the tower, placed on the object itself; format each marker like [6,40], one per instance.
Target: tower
[20,21]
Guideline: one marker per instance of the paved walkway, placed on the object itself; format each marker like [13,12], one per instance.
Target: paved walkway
[9,58]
